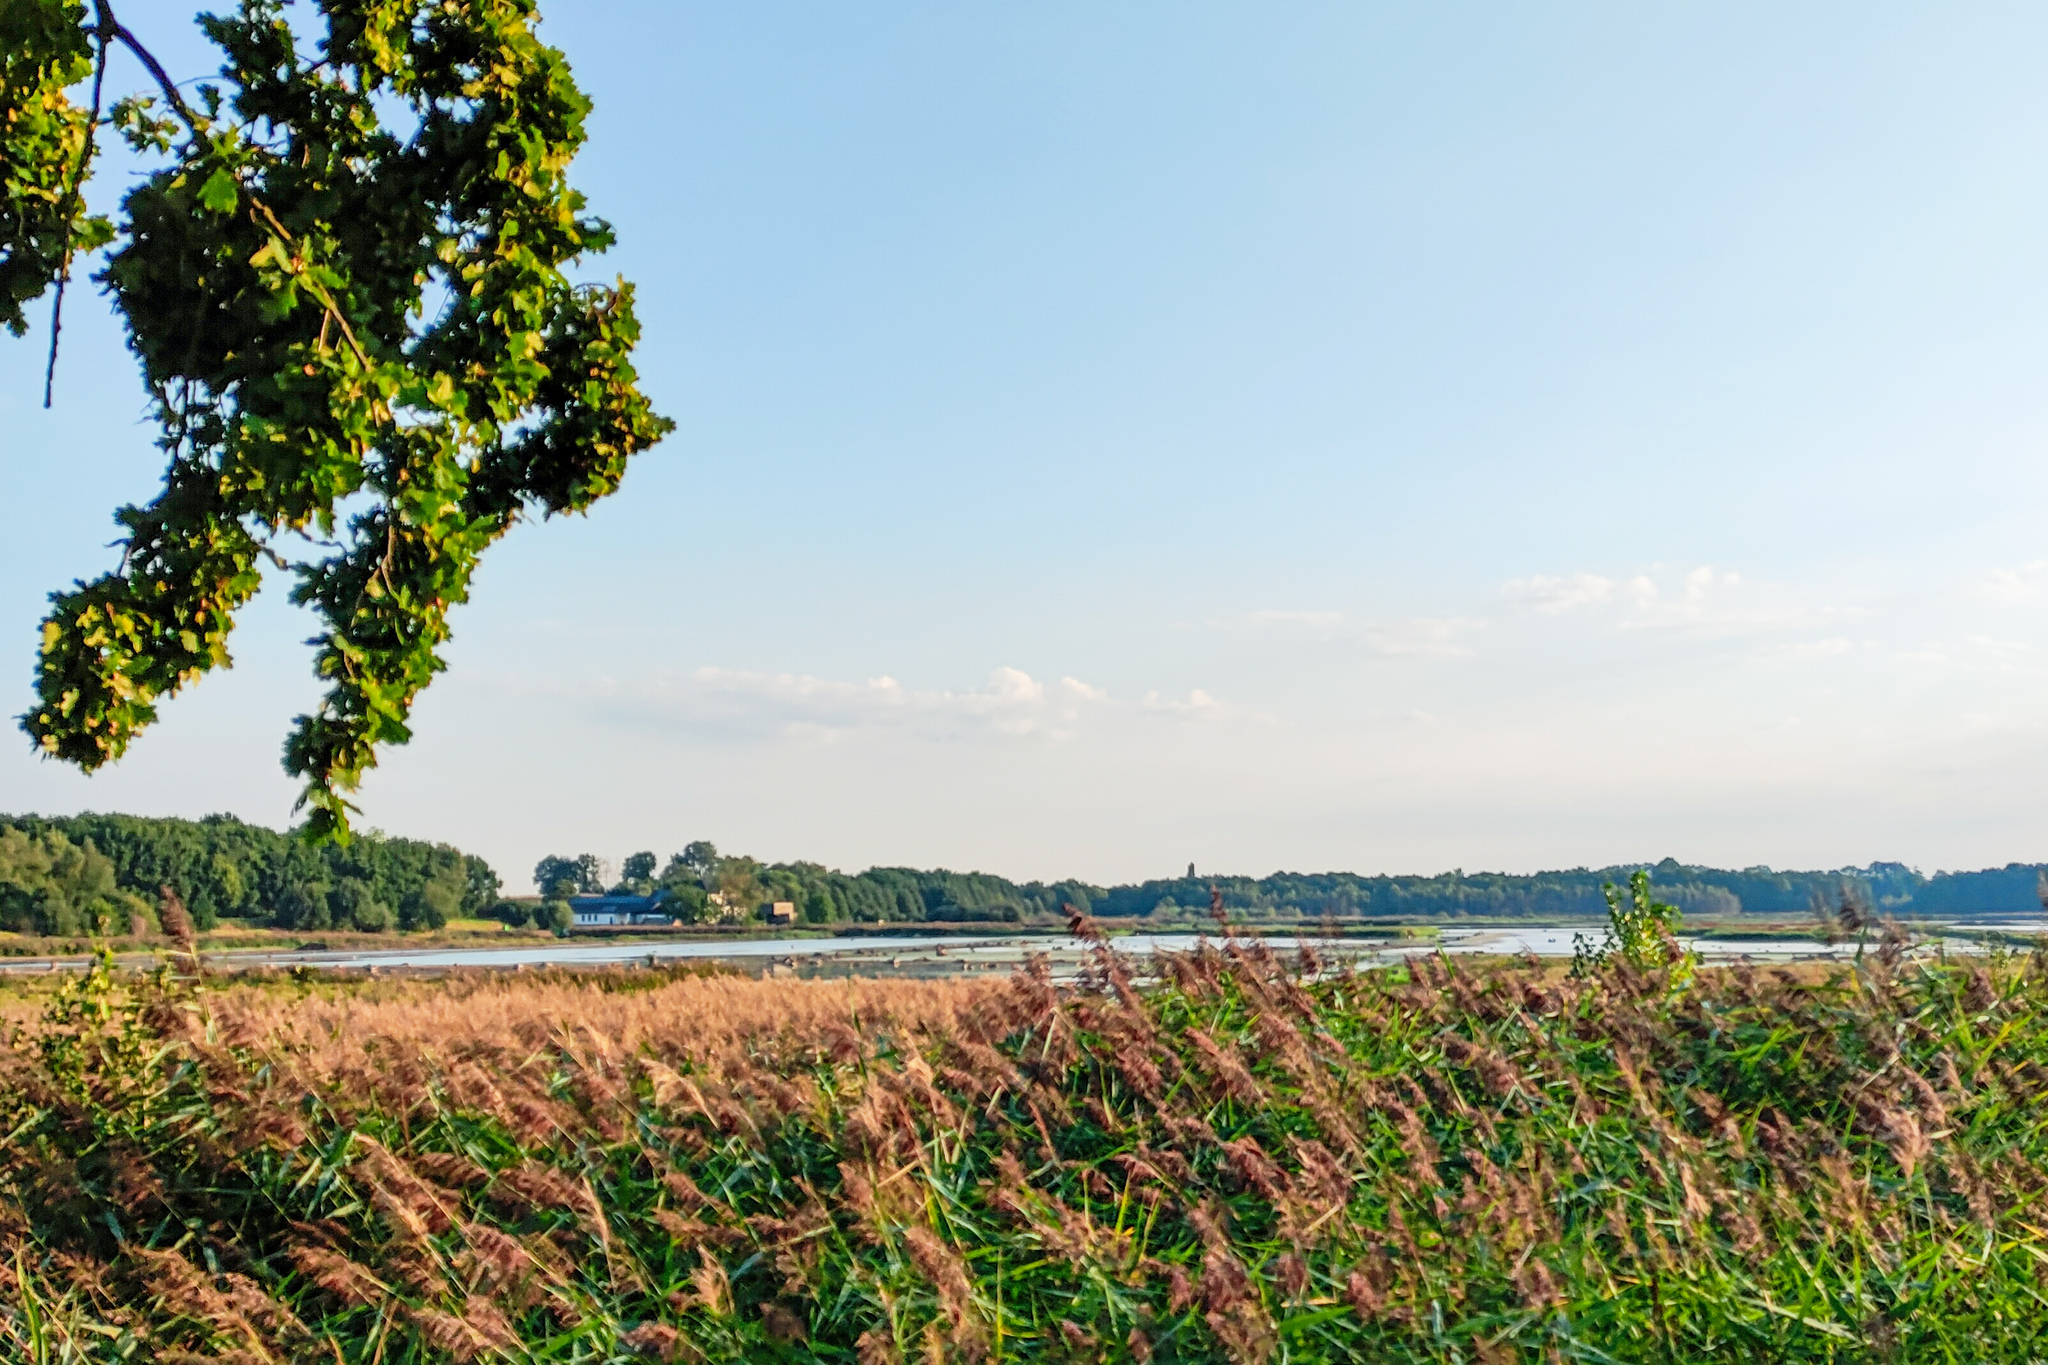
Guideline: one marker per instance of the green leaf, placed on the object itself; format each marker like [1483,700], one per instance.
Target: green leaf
[220,192]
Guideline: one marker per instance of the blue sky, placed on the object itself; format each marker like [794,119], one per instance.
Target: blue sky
[1347,437]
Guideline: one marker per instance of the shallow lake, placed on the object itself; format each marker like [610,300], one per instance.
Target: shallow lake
[926,954]
[936,956]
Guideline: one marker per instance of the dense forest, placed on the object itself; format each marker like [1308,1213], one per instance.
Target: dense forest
[87,873]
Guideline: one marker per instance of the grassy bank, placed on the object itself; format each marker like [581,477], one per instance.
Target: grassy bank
[1251,1162]
[256,938]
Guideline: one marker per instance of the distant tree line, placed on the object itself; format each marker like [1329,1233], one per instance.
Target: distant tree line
[88,873]
[706,886]
[1346,895]
[104,873]
[1892,888]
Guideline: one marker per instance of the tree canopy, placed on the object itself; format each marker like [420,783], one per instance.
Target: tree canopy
[347,284]
[559,876]
[66,874]
[50,885]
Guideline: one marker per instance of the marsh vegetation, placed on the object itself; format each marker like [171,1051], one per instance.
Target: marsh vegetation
[1254,1159]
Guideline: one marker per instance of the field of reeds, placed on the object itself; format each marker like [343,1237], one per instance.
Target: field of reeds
[1250,1159]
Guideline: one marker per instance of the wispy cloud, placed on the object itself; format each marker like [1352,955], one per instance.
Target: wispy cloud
[1199,705]
[1318,620]
[1833,648]
[1714,600]
[1704,600]
[1547,593]
[1012,705]
[2022,583]
[1424,637]
[1421,637]
[1973,654]
[1552,594]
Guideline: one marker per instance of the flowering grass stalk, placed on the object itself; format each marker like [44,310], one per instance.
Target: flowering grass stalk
[1249,1160]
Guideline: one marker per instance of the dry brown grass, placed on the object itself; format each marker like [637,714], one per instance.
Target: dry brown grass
[721,1024]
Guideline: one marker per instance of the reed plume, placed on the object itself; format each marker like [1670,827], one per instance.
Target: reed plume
[171,914]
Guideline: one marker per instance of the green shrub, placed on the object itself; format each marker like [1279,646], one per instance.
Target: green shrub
[513,914]
[1641,932]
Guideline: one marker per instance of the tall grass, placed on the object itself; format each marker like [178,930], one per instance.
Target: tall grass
[1250,1160]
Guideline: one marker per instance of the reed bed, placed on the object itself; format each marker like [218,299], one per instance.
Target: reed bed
[1252,1160]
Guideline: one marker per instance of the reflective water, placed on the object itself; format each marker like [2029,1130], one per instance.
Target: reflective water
[896,953]
[888,951]
[930,955]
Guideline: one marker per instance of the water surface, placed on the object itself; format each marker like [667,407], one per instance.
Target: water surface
[931,955]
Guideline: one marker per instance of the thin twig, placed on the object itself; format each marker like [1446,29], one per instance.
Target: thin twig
[73,202]
[110,25]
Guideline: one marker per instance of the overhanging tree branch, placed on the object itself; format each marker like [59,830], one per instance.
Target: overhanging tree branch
[272,424]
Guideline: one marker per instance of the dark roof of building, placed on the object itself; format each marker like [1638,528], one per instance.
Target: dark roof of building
[625,905]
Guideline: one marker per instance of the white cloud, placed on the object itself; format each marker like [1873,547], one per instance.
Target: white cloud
[1554,594]
[1974,653]
[2021,584]
[1199,703]
[1319,620]
[1423,638]
[1703,580]
[1012,705]
[1714,601]
[1833,648]
[1083,691]
[1703,600]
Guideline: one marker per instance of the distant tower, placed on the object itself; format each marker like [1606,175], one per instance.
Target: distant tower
[1191,871]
